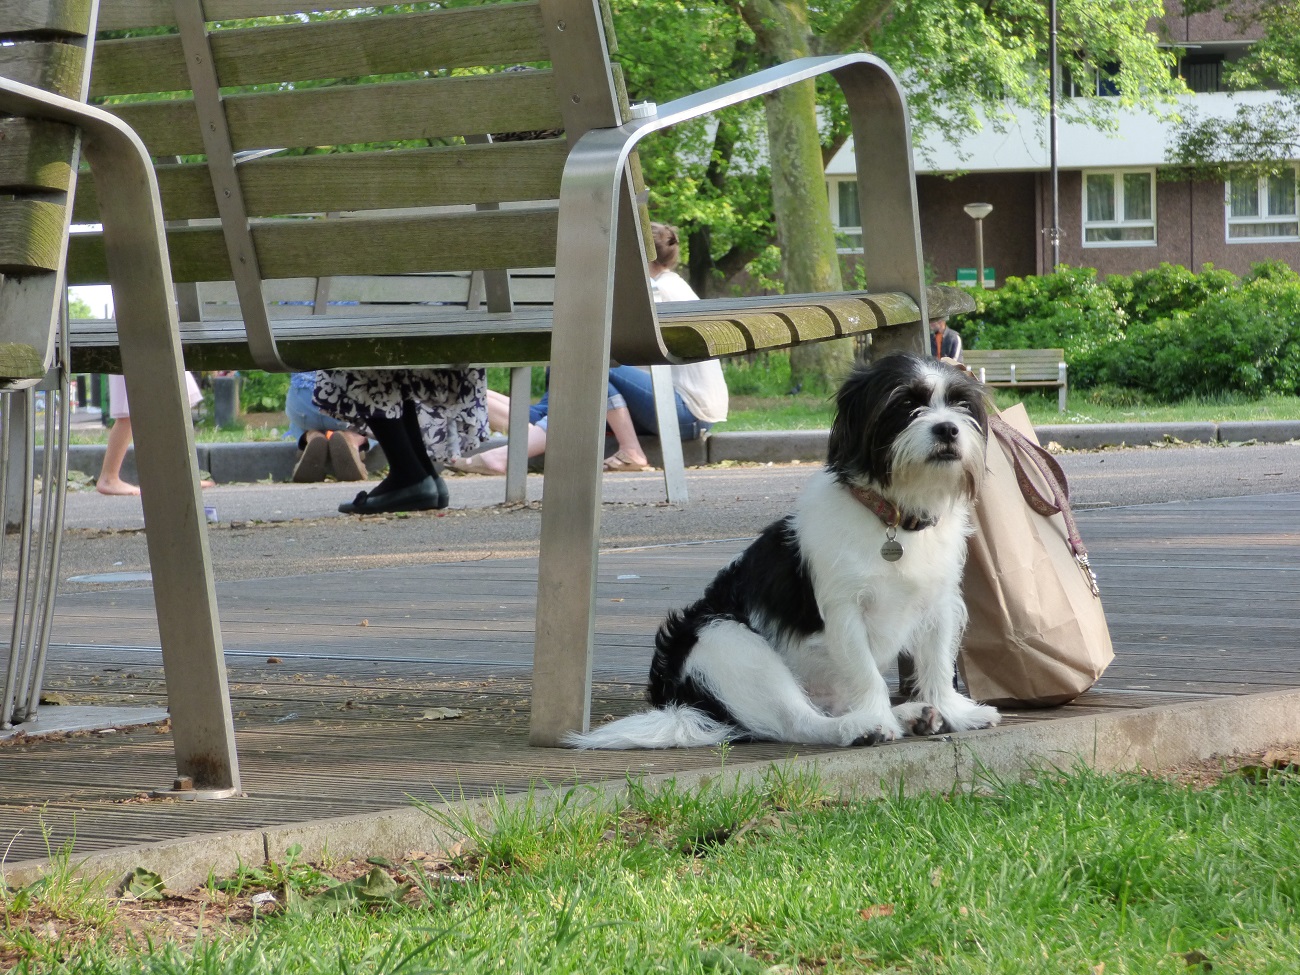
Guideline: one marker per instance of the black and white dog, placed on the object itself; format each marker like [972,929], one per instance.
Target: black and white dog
[790,639]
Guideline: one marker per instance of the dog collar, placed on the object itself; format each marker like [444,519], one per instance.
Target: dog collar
[888,512]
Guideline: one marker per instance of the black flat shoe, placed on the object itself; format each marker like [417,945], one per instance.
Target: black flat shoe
[427,495]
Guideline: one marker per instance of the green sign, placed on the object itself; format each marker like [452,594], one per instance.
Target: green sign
[967,275]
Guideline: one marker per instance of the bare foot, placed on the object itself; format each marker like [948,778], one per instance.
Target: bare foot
[202,484]
[116,486]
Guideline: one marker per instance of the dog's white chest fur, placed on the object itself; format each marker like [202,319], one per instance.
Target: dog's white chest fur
[896,602]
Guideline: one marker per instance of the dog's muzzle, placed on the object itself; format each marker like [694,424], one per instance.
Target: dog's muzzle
[946,441]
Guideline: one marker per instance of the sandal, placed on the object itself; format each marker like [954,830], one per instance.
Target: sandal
[620,461]
[314,451]
[347,459]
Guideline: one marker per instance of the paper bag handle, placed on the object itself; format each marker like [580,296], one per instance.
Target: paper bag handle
[1017,443]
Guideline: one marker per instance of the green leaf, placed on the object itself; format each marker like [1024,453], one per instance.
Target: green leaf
[145,885]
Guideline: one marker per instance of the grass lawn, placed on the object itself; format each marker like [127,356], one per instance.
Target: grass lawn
[808,412]
[1072,873]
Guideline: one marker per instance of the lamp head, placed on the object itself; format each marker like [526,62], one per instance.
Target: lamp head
[978,210]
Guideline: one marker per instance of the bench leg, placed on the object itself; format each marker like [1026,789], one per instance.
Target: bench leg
[566,585]
[517,430]
[175,526]
[670,434]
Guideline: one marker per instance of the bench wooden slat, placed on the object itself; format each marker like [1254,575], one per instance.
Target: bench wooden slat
[385,245]
[34,155]
[353,115]
[45,17]
[33,237]
[506,172]
[500,34]
[126,14]
[51,65]
[440,336]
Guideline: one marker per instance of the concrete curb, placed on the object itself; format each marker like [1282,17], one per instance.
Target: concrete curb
[1151,738]
[247,463]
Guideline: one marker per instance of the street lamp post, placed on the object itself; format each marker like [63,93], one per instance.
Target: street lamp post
[978,211]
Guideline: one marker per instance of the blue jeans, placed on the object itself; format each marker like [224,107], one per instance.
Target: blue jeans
[303,415]
[634,387]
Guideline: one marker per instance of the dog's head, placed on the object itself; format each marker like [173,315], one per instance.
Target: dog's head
[913,426]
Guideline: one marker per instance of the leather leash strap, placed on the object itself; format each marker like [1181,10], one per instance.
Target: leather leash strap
[1052,474]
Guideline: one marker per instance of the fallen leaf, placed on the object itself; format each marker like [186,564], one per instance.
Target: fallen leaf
[439,714]
[877,910]
[144,885]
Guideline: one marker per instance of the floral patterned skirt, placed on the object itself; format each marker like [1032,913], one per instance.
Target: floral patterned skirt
[452,403]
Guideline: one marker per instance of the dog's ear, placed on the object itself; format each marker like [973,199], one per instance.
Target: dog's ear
[861,439]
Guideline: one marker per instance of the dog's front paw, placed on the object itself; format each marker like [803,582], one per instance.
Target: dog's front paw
[969,716]
[921,719]
[867,731]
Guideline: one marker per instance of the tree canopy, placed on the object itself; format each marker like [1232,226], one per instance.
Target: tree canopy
[1258,138]
[965,64]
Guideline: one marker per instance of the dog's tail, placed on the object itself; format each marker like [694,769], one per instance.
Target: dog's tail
[675,726]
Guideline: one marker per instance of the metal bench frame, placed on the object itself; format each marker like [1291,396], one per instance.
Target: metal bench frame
[603,311]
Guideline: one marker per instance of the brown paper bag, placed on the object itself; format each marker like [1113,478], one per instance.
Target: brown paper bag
[1037,635]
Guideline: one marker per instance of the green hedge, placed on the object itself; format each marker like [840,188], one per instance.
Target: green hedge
[1168,332]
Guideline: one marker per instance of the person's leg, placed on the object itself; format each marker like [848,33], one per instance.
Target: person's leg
[494,461]
[630,452]
[304,416]
[110,472]
[637,390]
[498,407]
[406,467]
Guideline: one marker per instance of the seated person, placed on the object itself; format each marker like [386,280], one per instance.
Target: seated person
[700,389]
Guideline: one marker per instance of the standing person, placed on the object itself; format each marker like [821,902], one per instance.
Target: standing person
[323,441]
[944,342]
[699,387]
[417,416]
[110,480]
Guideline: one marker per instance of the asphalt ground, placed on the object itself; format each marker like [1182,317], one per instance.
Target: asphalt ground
[265,530]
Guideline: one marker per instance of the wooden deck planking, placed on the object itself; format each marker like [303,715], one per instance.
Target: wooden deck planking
[1201,597]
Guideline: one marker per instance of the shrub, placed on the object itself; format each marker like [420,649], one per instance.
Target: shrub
[1070,309]
[262,392]
[1271,271]
[1246,341]
[1147,296]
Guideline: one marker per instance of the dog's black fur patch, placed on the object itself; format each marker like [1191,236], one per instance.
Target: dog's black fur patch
[769,576]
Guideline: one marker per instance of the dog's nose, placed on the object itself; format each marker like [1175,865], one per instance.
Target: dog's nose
[945,432]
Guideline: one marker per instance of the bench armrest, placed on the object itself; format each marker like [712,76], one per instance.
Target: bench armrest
[591,205]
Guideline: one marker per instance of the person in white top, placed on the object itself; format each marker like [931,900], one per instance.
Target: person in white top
[701,390]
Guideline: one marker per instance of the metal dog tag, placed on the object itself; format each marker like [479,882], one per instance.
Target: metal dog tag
[892,550]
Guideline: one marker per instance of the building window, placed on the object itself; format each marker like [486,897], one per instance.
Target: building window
[1202,72]
[1263,208]
[846,216]
[1119,209]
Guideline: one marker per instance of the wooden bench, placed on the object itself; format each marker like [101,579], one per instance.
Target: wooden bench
[1020,367]
[530,288]
[384,124]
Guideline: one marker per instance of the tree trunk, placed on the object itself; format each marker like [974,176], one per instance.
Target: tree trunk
[803,217]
